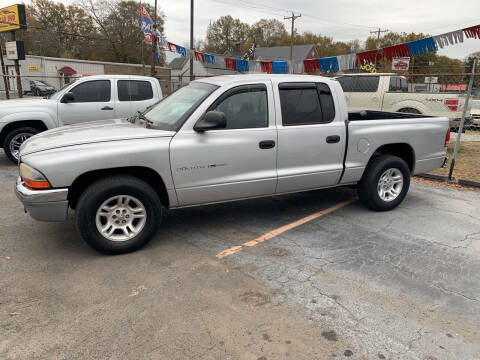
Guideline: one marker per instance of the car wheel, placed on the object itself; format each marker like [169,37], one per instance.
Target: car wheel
[36,92]
[409,111]
[15,139]
[385,183]
[118,214]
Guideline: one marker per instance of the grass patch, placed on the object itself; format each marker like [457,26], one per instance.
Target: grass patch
[467,165]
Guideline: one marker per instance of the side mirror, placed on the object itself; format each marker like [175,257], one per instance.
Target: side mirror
[211,120]
[67,97]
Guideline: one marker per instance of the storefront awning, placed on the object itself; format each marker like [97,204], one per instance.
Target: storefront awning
[67,70]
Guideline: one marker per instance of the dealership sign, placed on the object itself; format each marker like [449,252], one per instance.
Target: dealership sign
[401,63]
[13,18]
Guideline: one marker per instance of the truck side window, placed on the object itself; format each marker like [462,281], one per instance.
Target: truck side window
[347,83]
[92,91]
[306,104]
[134,90]
[244,107]
[367,83]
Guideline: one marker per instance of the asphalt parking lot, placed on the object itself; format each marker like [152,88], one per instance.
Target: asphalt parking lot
[345,283]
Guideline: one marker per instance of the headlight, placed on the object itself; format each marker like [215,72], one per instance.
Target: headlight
[34,179]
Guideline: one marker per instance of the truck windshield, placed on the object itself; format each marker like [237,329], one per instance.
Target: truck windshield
[171,112]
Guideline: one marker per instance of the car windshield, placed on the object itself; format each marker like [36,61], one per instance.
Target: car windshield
[171,112]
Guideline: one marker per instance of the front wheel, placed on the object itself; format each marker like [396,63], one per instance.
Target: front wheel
[15,139]
[118,214]
[385,183]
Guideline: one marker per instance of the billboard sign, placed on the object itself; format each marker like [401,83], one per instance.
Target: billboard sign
[401,63]
[13,18]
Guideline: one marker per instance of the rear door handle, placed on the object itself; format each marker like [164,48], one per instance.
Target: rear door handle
[107,108]
[266,144]
[333,139]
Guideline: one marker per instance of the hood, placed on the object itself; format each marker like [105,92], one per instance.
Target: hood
[88,133]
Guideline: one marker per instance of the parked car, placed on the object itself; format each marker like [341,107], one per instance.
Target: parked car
[41,88]
[99,97]
[475,114]
[222,139]
[389,92]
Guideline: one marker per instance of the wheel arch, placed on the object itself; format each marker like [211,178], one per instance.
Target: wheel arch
[36,124]
[150,176]
[402,150]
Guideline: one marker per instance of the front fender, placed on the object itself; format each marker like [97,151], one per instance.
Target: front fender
[49,118]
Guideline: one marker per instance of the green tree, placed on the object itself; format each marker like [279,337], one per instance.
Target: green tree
[267,32]
[225,34]
[119,24]
[468,64]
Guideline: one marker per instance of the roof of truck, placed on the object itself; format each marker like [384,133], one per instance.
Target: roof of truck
[226,79]
[107,76]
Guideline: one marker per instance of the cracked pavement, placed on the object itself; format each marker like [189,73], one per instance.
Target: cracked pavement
[351,284]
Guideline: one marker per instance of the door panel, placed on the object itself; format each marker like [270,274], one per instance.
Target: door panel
[221,165]
[93,101]
[132,96]
[310,156]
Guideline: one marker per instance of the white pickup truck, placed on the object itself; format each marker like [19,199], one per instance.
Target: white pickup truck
[99,97]
[389,92]
[222,139]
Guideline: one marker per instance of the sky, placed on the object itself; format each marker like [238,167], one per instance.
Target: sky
[343,20]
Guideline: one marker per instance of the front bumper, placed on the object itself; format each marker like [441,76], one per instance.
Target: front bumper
[43,205]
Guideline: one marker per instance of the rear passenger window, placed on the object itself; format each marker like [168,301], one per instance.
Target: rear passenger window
[366,83]
[306,104]
[134,90]
[347,83]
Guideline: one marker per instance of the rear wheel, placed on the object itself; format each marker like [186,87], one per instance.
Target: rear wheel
[15,139]
[118,214]
[385,183]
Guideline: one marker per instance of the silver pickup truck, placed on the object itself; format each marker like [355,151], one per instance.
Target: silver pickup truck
[222,139]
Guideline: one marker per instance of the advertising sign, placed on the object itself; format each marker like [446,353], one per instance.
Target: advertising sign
[15,50]
[13,18]
[401,63]
[431,79]
[33,68]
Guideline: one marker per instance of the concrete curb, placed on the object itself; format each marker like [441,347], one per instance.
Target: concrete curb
[469,182]
[437,177]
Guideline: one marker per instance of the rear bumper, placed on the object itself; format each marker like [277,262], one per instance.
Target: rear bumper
[43,205]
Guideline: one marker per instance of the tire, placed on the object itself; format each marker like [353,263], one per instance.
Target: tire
[89,218]
[14,139]
[369,187]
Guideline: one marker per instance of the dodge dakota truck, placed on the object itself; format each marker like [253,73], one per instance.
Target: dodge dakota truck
[389,92]
[96,97]
[222,139]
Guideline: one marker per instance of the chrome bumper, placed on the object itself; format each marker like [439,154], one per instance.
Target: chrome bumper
[43,205]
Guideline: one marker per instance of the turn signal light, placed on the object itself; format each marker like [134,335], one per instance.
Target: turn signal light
[33,179]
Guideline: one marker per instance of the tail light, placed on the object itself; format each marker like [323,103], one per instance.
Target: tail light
[447,137]
[452,104]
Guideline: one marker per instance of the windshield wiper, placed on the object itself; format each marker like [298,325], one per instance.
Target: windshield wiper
[140,116]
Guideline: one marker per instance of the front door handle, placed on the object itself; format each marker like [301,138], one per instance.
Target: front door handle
[107,108]
[333,139]
[266,144]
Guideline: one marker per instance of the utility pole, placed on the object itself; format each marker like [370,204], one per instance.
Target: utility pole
[191,40]
[154,41]
[378,32]
[293,18]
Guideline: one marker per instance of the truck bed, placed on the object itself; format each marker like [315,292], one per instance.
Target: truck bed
[382,115]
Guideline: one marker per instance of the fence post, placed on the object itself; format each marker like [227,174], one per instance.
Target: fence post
[462,121]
